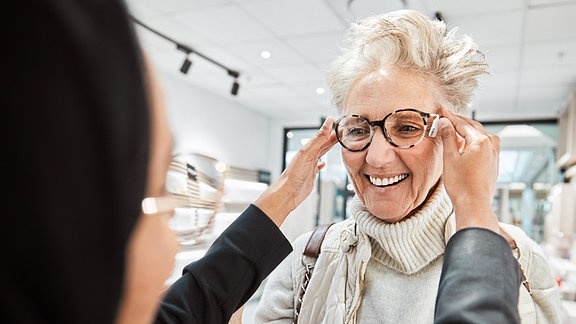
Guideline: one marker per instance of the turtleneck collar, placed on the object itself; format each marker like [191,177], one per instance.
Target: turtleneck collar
[411,244]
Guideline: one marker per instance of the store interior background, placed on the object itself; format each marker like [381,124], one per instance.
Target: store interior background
[528,100]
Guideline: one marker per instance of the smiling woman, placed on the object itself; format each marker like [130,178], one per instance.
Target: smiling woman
[402,77]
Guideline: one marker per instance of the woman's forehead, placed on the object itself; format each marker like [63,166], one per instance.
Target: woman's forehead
[378,97]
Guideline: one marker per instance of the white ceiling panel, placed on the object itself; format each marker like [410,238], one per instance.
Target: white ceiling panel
[318,48]
[300,72]
[310,88]
[531,112]
[170,28]
[549,92]
[540,106]
[281,53]
[452,8]
[494,95]
[223,56]
[551,23]
[349,11]
[281,96]
[257,77]
[223,24]
[503,57]
[530,46]
[558,53]
[502,28]
[295,17]
[548,76]
[171,6]
[144,10]
[549,2]
[500,78]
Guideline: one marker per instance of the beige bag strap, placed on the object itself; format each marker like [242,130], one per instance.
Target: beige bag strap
[312,250]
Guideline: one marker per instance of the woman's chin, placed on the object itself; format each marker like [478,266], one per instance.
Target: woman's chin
[387,215]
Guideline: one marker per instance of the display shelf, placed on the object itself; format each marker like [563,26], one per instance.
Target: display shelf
[196,183]
[566,153]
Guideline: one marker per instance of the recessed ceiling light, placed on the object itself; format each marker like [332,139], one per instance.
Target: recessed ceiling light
[265,54]
[320,90]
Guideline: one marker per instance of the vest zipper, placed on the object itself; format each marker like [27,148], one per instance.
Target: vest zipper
[352,318]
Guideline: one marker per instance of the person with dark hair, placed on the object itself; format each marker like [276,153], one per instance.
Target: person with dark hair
[88,140]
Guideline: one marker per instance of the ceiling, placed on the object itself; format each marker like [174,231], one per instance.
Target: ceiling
[530,46]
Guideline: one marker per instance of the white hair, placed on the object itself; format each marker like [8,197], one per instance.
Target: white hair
[407,39]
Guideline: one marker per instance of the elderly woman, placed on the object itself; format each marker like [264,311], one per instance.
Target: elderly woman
[397,86]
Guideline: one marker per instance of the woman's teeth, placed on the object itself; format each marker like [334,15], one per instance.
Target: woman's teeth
[387,181]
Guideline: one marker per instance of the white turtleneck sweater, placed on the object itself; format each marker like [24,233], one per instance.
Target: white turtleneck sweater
[399,282]
[403,274]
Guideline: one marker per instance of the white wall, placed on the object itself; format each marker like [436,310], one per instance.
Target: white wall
[206,123]
[212,125]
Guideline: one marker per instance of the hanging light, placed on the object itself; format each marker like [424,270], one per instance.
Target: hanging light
[235,86]
[185,65]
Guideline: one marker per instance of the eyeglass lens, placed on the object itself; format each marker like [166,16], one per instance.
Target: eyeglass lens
[403,129]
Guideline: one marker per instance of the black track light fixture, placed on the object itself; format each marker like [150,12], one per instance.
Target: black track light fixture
[233,74]
[438,16]
[235,87]
[185,65]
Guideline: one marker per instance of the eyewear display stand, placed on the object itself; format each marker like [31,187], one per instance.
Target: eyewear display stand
[210,196]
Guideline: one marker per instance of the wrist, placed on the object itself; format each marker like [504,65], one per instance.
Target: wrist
[480,216]
[276,203]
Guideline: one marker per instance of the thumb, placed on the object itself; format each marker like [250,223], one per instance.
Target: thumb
[449,137]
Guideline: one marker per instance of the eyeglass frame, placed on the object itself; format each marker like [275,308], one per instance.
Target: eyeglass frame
[432,133]
[158,205]
[166,204]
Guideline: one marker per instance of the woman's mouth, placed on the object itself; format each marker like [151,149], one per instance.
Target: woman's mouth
[384,182]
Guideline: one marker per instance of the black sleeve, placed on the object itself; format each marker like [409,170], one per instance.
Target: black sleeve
[214,287]
[480,280]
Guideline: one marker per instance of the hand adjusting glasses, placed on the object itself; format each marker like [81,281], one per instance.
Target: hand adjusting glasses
[403,128]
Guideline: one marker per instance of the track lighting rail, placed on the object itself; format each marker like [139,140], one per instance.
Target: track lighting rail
[189,51]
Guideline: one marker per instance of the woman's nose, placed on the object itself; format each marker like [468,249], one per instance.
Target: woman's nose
[380,151]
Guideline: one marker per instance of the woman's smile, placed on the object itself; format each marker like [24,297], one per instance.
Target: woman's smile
[387,181]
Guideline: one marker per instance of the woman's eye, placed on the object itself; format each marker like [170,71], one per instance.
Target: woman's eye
[407,129]
[357,131]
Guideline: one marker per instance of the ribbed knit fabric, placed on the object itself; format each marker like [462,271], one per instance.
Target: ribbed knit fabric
[401,280]
[409,245]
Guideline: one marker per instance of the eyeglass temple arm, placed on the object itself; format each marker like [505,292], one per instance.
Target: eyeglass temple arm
[157,205]
[434,127]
